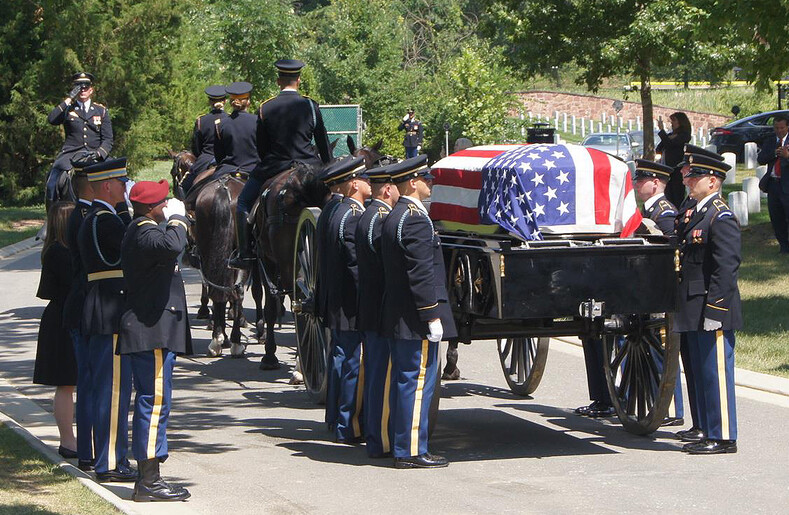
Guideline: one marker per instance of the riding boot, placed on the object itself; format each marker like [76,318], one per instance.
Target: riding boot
[245,256]
[151,487]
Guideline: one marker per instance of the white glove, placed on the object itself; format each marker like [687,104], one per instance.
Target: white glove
[405,118]
[174,207]
[436,330]
[419,148]
[711,325]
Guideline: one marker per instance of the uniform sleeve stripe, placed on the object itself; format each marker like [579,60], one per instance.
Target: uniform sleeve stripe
[428,307]
[178,222]
[717,307]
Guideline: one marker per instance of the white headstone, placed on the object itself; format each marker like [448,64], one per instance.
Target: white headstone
[638,123]
[629,125]
[760,171]
[599,126]
[750,185]
[749,155]
[693,139]
[564,123]
[738,202]
[603,119]
[573,124]
[608,127]
[583,127]
[730,158]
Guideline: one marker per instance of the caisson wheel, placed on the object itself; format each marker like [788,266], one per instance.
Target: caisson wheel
[523,362]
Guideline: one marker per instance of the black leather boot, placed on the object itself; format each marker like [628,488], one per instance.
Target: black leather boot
[151,487]
[243,232]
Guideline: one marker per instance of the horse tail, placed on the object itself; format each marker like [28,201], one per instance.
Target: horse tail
[216,239]
[314,190]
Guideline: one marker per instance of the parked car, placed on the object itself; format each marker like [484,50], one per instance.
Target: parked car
[733,136]
[638,137]
[607,142]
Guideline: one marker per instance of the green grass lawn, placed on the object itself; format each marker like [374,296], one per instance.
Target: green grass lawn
[31,484]
[154,172]
[19,223]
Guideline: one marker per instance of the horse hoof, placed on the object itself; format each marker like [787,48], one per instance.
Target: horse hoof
[296,378]
[203,313]
[269,365]
[214,349]
[237,350]
[451,376]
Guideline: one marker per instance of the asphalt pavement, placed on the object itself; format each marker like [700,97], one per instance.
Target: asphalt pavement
[245,441]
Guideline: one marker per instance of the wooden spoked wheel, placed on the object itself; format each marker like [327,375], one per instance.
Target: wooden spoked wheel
[523,362]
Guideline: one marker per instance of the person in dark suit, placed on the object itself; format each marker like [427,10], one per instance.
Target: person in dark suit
[235,148]
[204,135]
[342,284]
[87,125]
[377,361]
[775,154]
[415,314]
[154,327]
[414,133]
[672,146]
[286,125]
[72,313]
[99,242]
[709,310]
[55,362]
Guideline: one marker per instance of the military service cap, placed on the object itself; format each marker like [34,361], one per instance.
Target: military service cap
[699,151]
[82,78]
[149,192]
[109,169]
[701,165]
[216,92]
[410,169]
[289,67]
[649,169]
[344,170]
[380,174]
[238,89]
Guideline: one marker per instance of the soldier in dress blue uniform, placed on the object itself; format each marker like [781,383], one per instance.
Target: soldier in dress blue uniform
[87,125]
[99,242]
[341,290]
[204,135]
[235,147]
[415,314]
[286,125]
[414,133]
[154,327]
[376,359]
[72,312]
[708,310]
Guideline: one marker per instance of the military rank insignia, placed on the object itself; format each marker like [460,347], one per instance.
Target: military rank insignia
[696,235]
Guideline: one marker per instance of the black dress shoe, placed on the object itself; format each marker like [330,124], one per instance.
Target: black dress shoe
[120,474]
[713,447]
[600,410]
[67,453]
[423,461]
[582,410]
[355,440]
[694,434]
[85,465]
[673,421]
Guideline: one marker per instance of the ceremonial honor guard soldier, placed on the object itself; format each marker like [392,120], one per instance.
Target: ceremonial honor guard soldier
[414,133]
[99,242]
[415,314]
[286,126]
[708,310]
[341,284]
[235,148]
[204,135]
[154,327]
[72,312]
[87,126]
[376,359]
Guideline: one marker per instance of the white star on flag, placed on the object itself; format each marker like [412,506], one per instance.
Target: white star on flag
[548,164]
[533,156]
[550,193]
[539,210]
[537,179]
[525,166]
[514,179]
[520,198]
[563,177]
[514,219]
[563,208]
[556,154]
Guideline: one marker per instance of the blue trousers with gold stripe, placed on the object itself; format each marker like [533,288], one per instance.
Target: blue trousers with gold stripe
[377,385]
[84,405]
[112,383]
[336,358]
[153,382]
[712,356]
[350,386]
[414,377]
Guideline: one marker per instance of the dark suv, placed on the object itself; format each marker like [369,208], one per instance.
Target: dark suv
[734,135]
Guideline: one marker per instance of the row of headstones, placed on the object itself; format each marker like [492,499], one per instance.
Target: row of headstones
[575,125]
[749,200]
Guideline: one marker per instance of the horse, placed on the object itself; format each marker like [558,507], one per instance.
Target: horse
[182,162]
[215,237]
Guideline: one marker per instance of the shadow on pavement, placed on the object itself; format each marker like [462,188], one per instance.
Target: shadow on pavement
[31,261]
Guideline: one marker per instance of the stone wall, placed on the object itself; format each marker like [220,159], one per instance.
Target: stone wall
[546,103]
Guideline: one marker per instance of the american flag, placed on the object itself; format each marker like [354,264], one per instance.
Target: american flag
[533,189]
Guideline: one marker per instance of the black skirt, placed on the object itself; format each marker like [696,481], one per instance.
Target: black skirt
[56,364]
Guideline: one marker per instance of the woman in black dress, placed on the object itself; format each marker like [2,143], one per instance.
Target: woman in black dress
[55,361]
[672,146]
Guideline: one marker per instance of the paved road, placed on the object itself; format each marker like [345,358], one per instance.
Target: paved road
[245,441]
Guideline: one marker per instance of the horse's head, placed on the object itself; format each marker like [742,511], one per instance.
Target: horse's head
[372,155]
[182,161]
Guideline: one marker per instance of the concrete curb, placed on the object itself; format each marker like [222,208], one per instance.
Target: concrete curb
[745,378]
[16,248]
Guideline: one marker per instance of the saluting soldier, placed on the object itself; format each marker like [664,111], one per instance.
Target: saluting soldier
[414,133]
[286,126]
[415,314]
[235,148]
[87,125]
[708,312]
[204,135]
[154,327]
[342,285]
[72,312]
[376,359]
[99,241]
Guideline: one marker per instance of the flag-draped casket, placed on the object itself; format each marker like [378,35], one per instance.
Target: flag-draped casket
[534,190]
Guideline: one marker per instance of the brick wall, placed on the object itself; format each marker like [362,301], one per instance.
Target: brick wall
[546,103]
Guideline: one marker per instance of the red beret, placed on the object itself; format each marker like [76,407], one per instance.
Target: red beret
[149,192]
